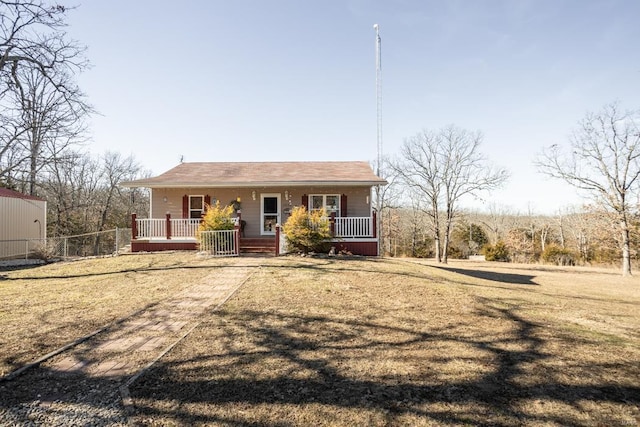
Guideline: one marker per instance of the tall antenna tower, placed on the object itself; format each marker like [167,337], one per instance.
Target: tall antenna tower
[378,96]
[379,136]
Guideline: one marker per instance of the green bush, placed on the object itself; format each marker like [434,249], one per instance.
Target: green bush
[423,249]
[497,252]
[556,255]
[307,231]
[456,252]
[217,218]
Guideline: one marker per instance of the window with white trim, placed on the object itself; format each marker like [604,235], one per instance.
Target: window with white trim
[329,202]
[196,207]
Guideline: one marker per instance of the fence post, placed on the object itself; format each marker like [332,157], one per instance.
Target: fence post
[168,225]
[277,239]
[26,249]
[117,242]
[236,238]
[134,227]
[65,249]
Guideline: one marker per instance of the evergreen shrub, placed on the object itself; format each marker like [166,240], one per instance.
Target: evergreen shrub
[497,252]
[556,255]
[307,231]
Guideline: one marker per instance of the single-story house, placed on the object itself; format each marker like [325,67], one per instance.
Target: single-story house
[23,222]
[264,193]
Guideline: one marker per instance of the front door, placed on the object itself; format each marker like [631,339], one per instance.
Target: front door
[270,213]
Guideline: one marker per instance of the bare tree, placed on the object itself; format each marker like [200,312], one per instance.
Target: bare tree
[419,168]
[445,166]
[603,161]
[84,193]
[70,185]
[496,221]
[52,121]
[32,36]
[465,171]
[115,169]
[37,93]
[386,200]
[415,222]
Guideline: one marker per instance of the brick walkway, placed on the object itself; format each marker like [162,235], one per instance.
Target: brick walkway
[81,385]
[137,341]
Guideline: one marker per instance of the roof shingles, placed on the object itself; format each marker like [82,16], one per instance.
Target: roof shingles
[217,174]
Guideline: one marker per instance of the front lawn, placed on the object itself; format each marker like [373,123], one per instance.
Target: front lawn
[329,342]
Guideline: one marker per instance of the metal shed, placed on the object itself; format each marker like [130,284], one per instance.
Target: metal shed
[23,221]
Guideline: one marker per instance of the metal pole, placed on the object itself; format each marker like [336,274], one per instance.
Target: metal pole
[117,246]
[379,134]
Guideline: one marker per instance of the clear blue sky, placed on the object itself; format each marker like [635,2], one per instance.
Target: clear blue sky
[274,80]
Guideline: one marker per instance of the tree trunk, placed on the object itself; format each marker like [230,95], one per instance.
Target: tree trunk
[436,237]
[447,234]
[445,249]
[626,253]
[414,239]
[543,237]
[436,228]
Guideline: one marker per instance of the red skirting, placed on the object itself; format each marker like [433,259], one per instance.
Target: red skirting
[355,248]
[358,248]
[162,246]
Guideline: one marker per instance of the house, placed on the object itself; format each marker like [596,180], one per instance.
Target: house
[23,223]
[264,194]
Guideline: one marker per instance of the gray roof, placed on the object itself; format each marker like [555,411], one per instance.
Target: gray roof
[244,174]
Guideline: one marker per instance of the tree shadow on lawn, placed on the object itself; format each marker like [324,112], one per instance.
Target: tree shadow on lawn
[126,271]
[321,347]
[510,278]
[61,398]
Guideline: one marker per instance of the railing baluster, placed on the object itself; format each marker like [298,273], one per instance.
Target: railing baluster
[345,227]
[220,242]
[353,227]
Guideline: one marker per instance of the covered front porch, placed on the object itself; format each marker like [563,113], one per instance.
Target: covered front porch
[356,235]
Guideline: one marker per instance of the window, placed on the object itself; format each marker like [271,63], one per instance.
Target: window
[196,207]
[330,203]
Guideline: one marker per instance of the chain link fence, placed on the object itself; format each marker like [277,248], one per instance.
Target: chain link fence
[109,242]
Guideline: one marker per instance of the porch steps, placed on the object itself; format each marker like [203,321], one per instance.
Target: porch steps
[257,245]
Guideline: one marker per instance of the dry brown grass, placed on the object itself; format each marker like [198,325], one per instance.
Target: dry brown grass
[356,342]
[47,307]
[368,342]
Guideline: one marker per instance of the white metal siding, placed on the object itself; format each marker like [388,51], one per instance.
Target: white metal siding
[17,222]
[17,218]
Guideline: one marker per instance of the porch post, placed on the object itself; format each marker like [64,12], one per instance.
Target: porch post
[134,227]
[375,224]
[332,223]
[168,225]
[277,239]
[237,238]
